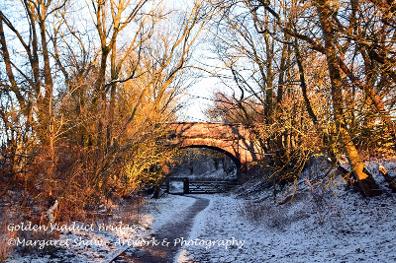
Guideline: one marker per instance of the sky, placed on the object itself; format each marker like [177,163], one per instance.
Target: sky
[197,97]
[199,94]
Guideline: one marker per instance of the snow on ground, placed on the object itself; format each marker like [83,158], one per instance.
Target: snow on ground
[344,229]
[214,174]
[167,209]
[108,238]
[321,223]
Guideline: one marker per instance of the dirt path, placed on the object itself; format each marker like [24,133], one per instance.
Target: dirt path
[179,227]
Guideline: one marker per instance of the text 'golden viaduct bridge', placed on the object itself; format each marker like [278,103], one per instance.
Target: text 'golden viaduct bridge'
[234,140]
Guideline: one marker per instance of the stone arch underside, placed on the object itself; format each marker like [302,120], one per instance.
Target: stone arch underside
[214,148]
[232,148]
[234,140]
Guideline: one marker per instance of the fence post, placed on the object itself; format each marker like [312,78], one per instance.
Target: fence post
[167,185]
[186,186]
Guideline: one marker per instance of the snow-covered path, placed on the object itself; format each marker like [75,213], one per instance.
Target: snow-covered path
[167,236]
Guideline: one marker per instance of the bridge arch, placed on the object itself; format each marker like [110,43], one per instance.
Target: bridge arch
[217,149]
[234,140]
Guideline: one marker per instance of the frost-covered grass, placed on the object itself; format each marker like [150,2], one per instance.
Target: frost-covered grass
[345,228]
[321,222]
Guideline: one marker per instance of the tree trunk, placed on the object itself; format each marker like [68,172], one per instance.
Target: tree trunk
[390,180]
[366,182]
[303,84]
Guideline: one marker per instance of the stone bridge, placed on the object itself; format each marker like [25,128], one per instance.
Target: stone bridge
[234,140]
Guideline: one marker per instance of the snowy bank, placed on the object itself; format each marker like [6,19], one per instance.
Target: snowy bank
[101,241]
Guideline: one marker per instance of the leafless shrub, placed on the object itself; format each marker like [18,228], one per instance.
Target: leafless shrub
[5,235]
[95,136]
[265,213]
[320,199]
[132,211]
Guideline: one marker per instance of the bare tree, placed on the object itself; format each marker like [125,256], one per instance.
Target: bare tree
[357,41]
[86,99]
